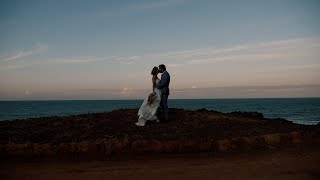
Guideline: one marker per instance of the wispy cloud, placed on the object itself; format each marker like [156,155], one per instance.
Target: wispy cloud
[17,55]
[308,90]
[18,59]
[180,93]
[155,5]
[172,65]
[276,50]
[301,48]
[94,59]
[76,60]
[126,92]
[37,49]
[272,50]
[135,8]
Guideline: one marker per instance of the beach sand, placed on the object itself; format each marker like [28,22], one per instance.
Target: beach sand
[289,163]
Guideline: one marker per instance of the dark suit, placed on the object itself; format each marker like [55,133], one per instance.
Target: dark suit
[164,87]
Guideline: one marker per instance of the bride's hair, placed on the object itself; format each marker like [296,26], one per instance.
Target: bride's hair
[154,70]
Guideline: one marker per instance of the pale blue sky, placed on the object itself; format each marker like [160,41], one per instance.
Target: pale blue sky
[79,49]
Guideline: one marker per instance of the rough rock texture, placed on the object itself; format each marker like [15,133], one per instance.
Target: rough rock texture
[101,135]
[200,124]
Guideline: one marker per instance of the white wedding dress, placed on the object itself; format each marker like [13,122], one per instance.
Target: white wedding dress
[148,112]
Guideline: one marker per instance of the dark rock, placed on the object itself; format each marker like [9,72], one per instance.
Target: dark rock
[119,124]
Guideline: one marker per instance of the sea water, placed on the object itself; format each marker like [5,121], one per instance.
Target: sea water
[298,110]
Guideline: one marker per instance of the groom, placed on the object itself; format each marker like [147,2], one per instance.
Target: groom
[164,87]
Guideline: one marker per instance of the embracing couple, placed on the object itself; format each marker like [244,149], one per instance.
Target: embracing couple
[158,97]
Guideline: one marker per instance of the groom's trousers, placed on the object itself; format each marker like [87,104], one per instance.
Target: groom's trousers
[164,107]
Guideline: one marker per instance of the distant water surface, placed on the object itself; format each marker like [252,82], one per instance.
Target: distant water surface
[298,110]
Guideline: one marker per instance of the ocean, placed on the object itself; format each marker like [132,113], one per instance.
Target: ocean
[297,110]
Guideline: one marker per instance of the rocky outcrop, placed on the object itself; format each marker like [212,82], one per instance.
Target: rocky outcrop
[105,135]
[107,148]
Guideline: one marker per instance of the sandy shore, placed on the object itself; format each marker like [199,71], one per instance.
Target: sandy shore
[288,163]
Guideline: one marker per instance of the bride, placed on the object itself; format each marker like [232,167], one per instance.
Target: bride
[148,109]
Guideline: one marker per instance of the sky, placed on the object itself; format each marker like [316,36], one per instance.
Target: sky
[106,49]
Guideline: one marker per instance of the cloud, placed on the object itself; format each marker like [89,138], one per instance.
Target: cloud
[17,60]
[300,68]
[155,5]
[284,50]
[74,60]
[279,91]
[172,65]
[17,55]
[261,51]
[134,8]
[126,92]
[246,57]
[26,92]
[128,60]
[37,49]
[273,50]
[94,59]
[12,63]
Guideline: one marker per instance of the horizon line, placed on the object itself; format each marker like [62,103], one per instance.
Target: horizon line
[306,97]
